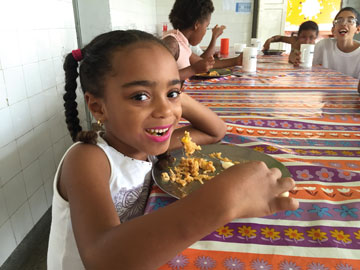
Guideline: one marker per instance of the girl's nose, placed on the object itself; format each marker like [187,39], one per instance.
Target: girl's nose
[162,108]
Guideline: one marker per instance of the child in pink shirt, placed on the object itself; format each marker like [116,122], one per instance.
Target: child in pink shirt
[190,19]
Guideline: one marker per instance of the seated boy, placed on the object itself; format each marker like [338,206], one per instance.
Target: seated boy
[307,34]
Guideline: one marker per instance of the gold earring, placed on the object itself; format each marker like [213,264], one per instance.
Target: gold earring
[99,123]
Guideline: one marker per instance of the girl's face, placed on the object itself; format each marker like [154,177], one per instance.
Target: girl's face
[200,31]
[307,37]
[344,26]
[141,105]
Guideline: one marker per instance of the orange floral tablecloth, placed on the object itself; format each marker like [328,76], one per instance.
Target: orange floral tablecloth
[309,119]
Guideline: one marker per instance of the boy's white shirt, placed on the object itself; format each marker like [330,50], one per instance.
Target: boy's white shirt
[330,56]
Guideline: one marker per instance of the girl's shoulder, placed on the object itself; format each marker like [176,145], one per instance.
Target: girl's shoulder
[83,158]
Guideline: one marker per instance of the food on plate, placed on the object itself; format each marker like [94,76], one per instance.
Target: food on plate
[284,194]
[213,73]
[192,168]
[226,164]
[189,145]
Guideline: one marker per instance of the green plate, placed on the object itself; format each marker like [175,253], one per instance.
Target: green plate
[233,152]
[222,72]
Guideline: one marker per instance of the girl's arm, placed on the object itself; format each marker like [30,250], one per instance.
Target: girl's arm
[149,241]
[216,32]
[205,126]
[228,62]
[197,64]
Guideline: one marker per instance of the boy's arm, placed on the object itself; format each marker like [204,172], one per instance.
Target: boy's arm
[278,38]
[359,87]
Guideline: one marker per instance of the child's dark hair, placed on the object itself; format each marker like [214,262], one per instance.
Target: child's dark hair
[309,25]
[95,65]
[353,10]
[185,13]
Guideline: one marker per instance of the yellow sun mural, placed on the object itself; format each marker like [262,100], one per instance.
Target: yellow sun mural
[320,11]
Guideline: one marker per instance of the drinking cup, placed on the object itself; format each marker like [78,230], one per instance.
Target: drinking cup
[224,46]
[249,59]
[239,47]
[256,43]
[306,55]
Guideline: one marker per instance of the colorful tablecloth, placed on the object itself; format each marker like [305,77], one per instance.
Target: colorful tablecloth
[309,119]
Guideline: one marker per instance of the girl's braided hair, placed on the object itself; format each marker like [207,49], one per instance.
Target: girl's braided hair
[96,63]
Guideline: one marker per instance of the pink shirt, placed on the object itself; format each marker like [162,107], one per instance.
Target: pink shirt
[185,51]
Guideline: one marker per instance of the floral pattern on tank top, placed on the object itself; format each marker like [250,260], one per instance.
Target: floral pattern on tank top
[130,203]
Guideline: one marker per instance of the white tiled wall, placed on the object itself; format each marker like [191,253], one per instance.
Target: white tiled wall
[148,15]
[33,134]
[135,14]
[238,25]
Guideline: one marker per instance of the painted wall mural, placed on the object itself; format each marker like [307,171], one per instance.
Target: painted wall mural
[320,11]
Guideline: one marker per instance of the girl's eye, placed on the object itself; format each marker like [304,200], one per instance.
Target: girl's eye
[174,93]
[140,97]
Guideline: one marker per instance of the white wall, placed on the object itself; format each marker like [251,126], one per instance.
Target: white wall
[94,19]
[134,14]
[147,15]
[33,137]
[238,25]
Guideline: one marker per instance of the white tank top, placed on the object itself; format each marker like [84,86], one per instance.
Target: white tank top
[129,186]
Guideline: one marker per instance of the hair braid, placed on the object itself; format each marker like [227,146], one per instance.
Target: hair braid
[71,112]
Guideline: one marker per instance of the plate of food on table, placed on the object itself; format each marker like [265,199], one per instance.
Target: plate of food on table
[214,73]
[184,170]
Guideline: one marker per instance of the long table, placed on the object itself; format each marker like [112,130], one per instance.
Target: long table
[309,119]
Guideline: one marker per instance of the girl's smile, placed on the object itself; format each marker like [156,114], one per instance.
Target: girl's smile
[159,134]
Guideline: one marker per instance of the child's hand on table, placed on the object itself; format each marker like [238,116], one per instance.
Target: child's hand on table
[203,65]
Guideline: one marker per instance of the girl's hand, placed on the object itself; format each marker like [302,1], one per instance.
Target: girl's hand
[203,65]
[217,31]
[252,190]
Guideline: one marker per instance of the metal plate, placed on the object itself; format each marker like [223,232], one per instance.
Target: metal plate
[273,52]
[233,152]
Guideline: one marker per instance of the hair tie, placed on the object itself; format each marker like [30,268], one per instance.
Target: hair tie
[77,55]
